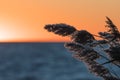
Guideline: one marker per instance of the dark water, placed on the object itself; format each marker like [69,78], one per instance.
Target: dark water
[40,61]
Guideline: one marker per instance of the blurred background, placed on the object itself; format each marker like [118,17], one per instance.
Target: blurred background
[40,61]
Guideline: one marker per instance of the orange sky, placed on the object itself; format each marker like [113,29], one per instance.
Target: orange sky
[23,20]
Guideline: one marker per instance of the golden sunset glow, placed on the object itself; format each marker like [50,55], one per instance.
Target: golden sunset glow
[23,20]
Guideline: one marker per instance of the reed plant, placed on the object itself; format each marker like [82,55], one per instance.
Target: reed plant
[90,50]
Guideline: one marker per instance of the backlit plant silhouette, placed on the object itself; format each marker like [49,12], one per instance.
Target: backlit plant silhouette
[90,51]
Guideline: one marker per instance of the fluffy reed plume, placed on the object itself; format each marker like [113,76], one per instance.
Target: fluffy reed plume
[97,69]
[60,29]
[82,36]
[112,33]
[106,35]
[112,28]
[83,53]
[114,54]
[83,45]
[74,47]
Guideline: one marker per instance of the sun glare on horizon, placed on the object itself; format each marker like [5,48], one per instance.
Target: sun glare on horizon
[8,29]
[5,34]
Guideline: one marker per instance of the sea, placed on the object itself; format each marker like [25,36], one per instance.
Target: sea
[40,61]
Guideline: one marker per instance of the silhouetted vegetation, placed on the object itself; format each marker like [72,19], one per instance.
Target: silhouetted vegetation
[89,50]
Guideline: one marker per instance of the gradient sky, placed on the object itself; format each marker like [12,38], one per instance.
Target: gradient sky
[23,20]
